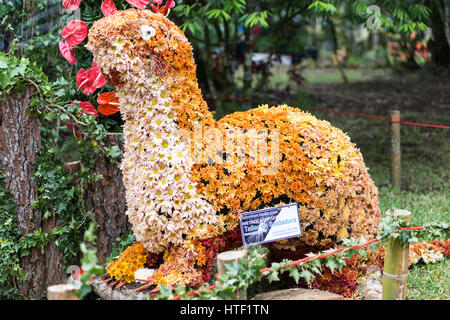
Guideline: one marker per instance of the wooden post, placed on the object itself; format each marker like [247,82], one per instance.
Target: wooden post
[396,262]
[229,257]
[61,292]
[394,120]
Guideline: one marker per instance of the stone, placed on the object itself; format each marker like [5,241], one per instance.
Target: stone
[123,293]
[298,294]
[370,287]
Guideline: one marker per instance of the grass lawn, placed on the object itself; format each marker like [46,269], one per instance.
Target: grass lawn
[430,281]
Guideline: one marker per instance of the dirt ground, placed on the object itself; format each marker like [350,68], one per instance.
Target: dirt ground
[423,93]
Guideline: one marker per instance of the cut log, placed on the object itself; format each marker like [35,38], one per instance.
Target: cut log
[298,294]
[61,292]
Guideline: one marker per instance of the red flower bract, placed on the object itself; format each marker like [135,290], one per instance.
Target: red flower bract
[108,8]
[170,4]
[87,108]
[165,9]
[75,32]
[90,79]
[71,5]
[108,103]
[67,52]
[140,4]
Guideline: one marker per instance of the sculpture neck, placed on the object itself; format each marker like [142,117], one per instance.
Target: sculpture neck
[188,102]
[163,202]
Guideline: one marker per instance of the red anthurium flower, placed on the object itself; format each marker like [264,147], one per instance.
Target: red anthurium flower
[108,7]
[72,129]
[170,4]
[71,5]
[165,9]
[140,4]
[67,52]
[108,103]
[90,79]
[69,125]
[75,32]
[87,108]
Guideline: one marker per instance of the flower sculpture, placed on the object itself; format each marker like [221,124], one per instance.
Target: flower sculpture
[184,191]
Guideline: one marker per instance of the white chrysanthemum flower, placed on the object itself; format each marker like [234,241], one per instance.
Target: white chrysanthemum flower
[163,202]
[147,32]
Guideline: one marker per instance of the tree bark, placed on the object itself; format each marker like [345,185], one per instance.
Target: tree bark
[19,144]
[439,45]
[54,268]
[248,74]
[106,200]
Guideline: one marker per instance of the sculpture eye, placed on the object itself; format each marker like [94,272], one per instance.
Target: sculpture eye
[147,32]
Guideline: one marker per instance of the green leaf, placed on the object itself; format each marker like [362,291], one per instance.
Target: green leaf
[3,62]
[294,273]
[331,264]
[307,275]
[273,276]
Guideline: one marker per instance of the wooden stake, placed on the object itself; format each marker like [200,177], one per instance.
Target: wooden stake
[61,292]
[396,261]
[229,257]
[394,116]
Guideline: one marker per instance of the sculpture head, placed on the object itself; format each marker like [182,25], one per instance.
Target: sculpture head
[133,44]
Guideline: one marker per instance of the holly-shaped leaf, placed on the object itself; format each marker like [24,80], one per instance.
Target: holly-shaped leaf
[307,275]
[294,273]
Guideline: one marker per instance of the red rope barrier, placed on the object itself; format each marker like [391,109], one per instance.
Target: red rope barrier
[346,113]
[383,118]
[352,114]
[411,228]
[424,125]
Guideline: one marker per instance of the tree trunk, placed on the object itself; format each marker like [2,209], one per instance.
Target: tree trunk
[439,45]
[54,269]
[106,200]
[248,74]
[19,144]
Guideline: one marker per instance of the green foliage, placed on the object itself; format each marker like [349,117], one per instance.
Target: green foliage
[402,16]
[9,246]
[59,196]
[322,7]
[120,245]
[433,230]
[89,262]
[15,70]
